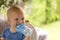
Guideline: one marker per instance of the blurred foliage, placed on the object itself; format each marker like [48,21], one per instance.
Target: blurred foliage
[6,2]
[44,12]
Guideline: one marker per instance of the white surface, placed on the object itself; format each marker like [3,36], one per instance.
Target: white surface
[41,32]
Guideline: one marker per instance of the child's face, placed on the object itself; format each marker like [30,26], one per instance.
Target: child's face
[16,18]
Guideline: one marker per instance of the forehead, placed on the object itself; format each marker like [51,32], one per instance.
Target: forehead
[17,14]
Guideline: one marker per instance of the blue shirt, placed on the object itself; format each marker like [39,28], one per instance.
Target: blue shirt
[7,35]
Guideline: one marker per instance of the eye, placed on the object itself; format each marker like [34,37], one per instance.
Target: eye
[16,19]
[22,18]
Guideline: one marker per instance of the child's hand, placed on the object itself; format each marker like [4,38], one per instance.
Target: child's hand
[34,34]
[1,38]
[28,24]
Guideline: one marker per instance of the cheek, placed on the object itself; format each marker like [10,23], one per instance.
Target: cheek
[13,22]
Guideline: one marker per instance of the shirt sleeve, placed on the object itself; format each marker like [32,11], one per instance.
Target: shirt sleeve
[3,33]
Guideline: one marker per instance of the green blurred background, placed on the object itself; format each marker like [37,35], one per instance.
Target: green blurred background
[43,14]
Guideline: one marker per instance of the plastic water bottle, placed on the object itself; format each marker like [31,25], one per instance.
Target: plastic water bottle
[23,29]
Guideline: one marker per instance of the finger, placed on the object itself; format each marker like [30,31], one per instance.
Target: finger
[26,20]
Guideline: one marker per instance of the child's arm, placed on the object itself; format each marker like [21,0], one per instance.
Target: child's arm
[28,31]
[34,34]
[27,34]
[3,34]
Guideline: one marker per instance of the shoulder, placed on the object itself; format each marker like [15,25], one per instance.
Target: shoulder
[6,29]
[4,33]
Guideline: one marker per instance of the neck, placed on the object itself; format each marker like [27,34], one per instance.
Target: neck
[13,29]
